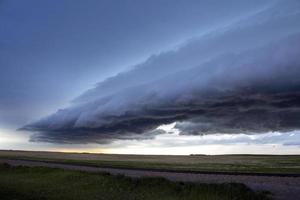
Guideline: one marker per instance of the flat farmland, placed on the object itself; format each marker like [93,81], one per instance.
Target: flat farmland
[282,164]
[36,183]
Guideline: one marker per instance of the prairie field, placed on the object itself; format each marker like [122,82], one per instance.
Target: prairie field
[35,183]
[217,163]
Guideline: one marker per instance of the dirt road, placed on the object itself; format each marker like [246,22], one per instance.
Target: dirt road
[283,188]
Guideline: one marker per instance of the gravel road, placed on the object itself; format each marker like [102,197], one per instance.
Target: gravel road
[282,188]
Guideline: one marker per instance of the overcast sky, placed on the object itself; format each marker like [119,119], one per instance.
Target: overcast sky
[106,76]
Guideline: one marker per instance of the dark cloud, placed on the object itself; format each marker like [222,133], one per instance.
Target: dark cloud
[246,113]
[46,45]
[224,82]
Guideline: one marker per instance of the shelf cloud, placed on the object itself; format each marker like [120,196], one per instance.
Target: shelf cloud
[240,78]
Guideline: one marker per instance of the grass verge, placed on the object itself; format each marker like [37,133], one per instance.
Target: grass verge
[40,183]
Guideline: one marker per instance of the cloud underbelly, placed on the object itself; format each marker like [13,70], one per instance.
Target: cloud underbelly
[249,88]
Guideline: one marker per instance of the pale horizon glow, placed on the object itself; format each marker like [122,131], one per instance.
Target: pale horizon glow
[166,144]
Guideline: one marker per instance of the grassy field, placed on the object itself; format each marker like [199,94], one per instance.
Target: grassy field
[220,163]
[39,183]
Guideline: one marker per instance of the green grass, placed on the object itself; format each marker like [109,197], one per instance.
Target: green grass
[40,183]
[221,163]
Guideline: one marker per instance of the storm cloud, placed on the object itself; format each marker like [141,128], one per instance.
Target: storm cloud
[243,77]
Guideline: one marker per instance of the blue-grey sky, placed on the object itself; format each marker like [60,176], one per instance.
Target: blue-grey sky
[52,51]
[119,69]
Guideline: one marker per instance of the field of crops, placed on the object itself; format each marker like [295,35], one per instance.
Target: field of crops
[222,163]
[36,183]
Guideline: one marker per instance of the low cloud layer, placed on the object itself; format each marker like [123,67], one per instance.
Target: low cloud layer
[240,78]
